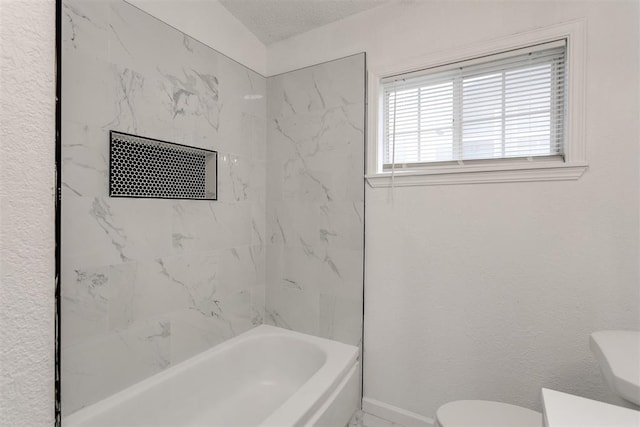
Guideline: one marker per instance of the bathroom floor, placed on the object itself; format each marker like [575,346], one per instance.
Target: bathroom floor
[362,419]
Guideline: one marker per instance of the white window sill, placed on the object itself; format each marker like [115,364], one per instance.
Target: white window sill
[478,174]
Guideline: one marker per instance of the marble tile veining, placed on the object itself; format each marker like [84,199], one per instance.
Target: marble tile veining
[320,87]
[315,199]
[147,283]
[96,368]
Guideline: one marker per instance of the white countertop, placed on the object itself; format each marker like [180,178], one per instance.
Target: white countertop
[567,410]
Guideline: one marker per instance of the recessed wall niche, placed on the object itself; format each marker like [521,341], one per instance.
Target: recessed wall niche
[146,167]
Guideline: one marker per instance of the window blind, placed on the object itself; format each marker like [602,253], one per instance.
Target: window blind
[510,105]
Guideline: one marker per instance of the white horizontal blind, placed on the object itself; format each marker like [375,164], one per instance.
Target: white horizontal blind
[508,105]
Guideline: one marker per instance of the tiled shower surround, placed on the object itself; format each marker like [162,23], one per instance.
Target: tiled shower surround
[147,283]
[315,199]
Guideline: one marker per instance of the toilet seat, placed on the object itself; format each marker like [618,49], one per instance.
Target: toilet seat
[478,413]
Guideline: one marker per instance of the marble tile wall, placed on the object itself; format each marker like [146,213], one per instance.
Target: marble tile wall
[315,199]
[147,283]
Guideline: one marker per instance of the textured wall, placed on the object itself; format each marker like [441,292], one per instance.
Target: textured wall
[315,199]
[490,291]
[27,145]
[147,283]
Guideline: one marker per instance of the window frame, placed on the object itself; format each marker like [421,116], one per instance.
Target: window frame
[571,167]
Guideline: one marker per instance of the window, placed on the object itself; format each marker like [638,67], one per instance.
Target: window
[488,109]
[507,110]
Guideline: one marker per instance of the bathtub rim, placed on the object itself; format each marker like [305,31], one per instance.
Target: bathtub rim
[316,386]
[339,357]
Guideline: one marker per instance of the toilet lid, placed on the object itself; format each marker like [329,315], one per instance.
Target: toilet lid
[486,413]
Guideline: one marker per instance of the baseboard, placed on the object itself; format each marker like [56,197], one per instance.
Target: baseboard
[394,414]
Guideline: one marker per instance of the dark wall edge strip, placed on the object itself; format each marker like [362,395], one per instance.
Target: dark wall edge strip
[58,196]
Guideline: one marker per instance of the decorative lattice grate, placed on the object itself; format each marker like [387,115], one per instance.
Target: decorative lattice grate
[145,167]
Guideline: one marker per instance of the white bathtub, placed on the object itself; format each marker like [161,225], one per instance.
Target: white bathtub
[267,376]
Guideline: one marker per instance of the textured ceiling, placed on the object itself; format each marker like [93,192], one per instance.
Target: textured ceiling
[274,20]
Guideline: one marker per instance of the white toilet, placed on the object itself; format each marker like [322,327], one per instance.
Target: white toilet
[617,352]
[485,413]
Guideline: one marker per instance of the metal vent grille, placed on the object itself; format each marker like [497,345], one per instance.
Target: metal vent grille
[145,167]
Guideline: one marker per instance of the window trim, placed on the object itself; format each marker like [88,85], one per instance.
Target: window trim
[501,170]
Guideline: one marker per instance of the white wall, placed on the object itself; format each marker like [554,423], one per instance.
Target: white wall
[27,147]
[491,290]
[212,24]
